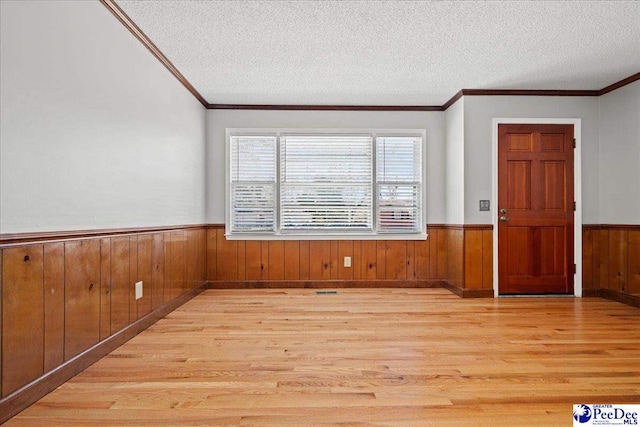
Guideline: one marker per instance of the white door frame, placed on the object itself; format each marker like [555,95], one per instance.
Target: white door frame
[577,194]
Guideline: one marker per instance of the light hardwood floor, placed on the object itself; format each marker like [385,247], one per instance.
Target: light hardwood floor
[366,357]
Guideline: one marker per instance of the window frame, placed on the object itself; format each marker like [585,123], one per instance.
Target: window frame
[342,234]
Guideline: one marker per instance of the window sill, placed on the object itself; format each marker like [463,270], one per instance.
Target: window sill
[326,236]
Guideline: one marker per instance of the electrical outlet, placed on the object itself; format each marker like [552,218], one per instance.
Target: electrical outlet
[138,290]
[347,261]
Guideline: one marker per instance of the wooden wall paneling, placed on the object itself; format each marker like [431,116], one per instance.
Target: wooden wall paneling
[333,260]
[264,263]
[345,249]
[292,260]
[381,259]
[422,259]
[336,261]
[22,316]
[319,260]
[82,296]
[133,278]
[356,260]
[634,262]
[396,260]
[145,273]
[241,266]
[442,244]
[253,252]
[432,241]
[368,259]
[604,259]
[597,251]
[178,263]
[167,267]
[226,257]
[105,287]
[411,260]
[157,274]
[119,283]
[202,257]
[304,260]
[587,259]
[53,305]
[193,259]
[487,259]
[1,330]
[212,254]
[455,257]
[473,254]
[618,250]
[276,260]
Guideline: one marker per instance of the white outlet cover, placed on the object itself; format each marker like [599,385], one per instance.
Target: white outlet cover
[347,261]
[138,290]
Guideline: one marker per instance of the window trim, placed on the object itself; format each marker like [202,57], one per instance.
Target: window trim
[324,235]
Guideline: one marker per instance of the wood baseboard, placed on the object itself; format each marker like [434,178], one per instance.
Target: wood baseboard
[324,284]
[301,284]
[628,299]
[25,396]
[467,293]
[591,293]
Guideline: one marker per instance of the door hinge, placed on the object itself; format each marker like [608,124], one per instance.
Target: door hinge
[574,143]
[575,269]
[574,206]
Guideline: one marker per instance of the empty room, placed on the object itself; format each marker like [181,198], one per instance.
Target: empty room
[319,213]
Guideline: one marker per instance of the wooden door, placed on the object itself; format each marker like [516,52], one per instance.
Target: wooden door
[535,209]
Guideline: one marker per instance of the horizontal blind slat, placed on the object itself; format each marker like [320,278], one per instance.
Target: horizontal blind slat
[399,183]
[253,183]
[326,182]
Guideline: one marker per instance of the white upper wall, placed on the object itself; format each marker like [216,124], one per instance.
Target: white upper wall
[620,155]
[454,163]
[479,112]
[95,132]
[219,120]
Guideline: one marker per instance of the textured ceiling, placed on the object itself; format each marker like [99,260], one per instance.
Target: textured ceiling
[389,52]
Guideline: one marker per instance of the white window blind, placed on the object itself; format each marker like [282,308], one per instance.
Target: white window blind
[326,182]
[398,181]
[253,183]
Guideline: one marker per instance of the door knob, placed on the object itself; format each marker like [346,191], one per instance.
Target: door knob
[504,218]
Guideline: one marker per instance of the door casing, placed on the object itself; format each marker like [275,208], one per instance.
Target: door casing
[577,182]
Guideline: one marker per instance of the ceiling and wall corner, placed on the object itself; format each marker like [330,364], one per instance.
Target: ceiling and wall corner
[263,54]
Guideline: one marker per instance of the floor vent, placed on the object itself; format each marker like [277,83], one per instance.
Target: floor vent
[326,292]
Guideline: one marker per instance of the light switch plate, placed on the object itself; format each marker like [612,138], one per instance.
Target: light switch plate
[485,205]
[347,261]
[138,290]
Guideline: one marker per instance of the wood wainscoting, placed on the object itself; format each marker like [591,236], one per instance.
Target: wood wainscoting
[611,262]
[458,257]
[69,298]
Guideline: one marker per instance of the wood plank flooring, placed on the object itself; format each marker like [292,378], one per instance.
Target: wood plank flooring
[363,357]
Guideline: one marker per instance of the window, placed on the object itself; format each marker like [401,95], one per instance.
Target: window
[253,184]
[324,184]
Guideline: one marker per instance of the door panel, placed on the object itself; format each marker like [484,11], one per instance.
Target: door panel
[535,208]
[519,196]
